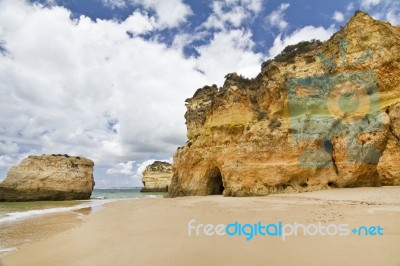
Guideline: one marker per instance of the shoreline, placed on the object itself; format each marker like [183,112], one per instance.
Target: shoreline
[76,205]
[22,227]
[154,231]
[22,222]
[24,232]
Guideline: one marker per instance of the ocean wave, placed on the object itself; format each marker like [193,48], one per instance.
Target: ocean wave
[153,196]
[99,197]
[15,216]
[7,250]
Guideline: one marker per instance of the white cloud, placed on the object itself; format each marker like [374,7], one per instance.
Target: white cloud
[65,82]
[350,7]
[234,17]
[122,169]
[306,33]
[142,166]
[127,174]
[86,88]
[338,16]
[383,9]
[253,5]
[169,13]
[184,39]
[139,23]
[232,13]
[229,51]
[393,16]
[5,161]
[7,147]
[277,17]
[369,3]
[114,3]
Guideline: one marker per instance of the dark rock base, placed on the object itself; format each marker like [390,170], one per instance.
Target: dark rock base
[12,195]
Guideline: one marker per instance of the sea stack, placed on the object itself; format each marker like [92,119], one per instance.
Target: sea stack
[319,115]
[157,177]
[49,177]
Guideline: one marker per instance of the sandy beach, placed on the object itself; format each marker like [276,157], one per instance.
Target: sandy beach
[154,231]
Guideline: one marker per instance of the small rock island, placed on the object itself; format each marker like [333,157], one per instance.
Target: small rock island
[157,177]
[49,177]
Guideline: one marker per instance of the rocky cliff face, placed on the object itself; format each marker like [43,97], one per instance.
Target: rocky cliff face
[157,177]
[319,115]
[49,177]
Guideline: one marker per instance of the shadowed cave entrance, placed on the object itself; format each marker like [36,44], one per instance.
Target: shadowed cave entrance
[215,185]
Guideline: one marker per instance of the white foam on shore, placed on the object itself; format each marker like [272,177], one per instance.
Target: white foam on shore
[98,198]
[8,250]
[153,196]
[15,216]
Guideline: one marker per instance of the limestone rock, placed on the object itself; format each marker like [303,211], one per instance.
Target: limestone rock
[320,115]
[157,177]
[49,177]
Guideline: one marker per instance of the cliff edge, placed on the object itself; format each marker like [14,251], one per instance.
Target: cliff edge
[318,116]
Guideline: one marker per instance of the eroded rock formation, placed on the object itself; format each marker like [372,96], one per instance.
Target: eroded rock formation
[319,115]
[157,177]
[49,177]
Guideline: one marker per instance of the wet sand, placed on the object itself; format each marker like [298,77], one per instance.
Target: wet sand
[155,232]
[24,232]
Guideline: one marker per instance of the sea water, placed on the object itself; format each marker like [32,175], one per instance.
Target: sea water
[123,193]
[23,222]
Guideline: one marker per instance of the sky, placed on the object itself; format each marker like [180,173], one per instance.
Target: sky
[108,79]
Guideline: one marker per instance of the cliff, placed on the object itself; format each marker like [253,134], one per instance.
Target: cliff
[318,116]
[157,177]
[49,177]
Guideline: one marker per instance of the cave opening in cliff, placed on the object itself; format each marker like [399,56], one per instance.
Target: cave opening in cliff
[215,183]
